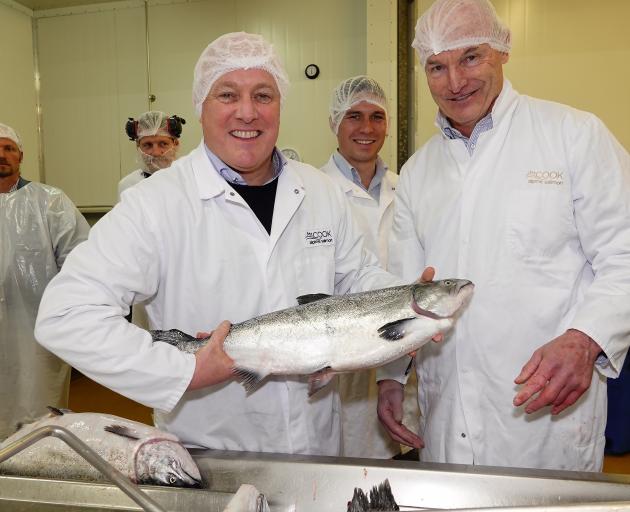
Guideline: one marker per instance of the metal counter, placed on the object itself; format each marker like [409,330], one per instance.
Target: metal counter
[322,484]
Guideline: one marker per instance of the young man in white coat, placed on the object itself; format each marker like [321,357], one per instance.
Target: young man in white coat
[222,235]
[39,226]
[531,201]
[359,120]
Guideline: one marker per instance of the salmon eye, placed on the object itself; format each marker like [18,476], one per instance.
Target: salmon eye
[172,479]
[448,282]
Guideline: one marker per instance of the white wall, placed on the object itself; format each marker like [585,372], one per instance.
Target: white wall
[93,77]
[17,85]
[571,51]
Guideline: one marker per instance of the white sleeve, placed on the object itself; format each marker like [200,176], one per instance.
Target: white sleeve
[81,316]
[600,173]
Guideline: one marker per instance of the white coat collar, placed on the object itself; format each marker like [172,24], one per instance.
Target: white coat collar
[209,182]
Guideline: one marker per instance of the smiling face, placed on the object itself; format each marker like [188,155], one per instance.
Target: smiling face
[241,120]
[10,159]
[361,133]
[465,83]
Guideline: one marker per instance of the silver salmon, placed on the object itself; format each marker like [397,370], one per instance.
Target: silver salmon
[143,453]
[324,335]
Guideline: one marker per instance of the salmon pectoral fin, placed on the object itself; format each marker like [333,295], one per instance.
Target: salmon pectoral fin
[121,430]
[394,331]
[311,297]
[250,379]
[319,379]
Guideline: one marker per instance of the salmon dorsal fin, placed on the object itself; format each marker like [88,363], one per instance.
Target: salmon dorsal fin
[394,331]
[172,336]
[56,411]
[319,379]
[121,430]
[311,297]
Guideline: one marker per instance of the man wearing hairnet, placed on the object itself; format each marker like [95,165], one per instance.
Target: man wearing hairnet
[157,140]
[359,119]
[531,201]
[224,234]
[39,226]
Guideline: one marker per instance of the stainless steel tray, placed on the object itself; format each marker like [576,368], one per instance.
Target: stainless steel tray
[322,484]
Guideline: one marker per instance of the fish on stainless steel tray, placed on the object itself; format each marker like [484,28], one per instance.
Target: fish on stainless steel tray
[324,335]
[145,454]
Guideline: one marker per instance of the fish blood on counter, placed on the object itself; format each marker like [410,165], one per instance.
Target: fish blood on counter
[325,335]
[145,454]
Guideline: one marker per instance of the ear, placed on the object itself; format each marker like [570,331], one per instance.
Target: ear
[504,58]
[21,156]
[331,124]
[175,142]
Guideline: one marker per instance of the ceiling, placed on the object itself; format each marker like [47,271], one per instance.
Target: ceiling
[38,5]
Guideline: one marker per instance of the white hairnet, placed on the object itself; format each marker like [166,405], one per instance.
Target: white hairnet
[455,24]
[6,132]
[352,91]
[236,50]
[152,123]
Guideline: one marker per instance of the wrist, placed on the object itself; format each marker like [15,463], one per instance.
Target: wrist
[594,350]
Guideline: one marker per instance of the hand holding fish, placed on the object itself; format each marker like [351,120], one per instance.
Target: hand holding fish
[560,372]
[213,365]
[390,413]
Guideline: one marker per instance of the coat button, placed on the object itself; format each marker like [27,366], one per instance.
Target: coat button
[296,191]
[232,193]
[463,435]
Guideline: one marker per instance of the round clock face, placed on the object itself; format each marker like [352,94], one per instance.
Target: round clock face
[291,153]
[312,71]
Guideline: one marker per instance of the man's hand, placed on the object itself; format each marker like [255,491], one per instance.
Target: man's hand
[390,413]
[559,371]
[213,365]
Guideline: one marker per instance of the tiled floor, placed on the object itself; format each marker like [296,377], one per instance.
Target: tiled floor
[87,395]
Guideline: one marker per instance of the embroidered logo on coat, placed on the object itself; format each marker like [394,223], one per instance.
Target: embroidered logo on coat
[319,237]
[546,177]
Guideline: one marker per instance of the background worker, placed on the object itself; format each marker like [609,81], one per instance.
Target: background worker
[39,226]
[530,200]
[359,119]
[157,141]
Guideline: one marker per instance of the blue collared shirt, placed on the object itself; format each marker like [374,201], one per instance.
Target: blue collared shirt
[353,175]
[449,132]
[278,161]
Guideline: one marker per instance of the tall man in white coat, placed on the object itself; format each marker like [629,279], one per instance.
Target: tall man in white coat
[222,235]
[359,120]
[530,200]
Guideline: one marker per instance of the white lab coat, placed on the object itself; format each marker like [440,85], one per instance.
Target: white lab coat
[133,178]
[39,226]
[362,433]
[187,244]
[539,219]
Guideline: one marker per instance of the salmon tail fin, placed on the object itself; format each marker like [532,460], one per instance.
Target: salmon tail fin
[250,379]
[320,379]
[381,498]
[394,331]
